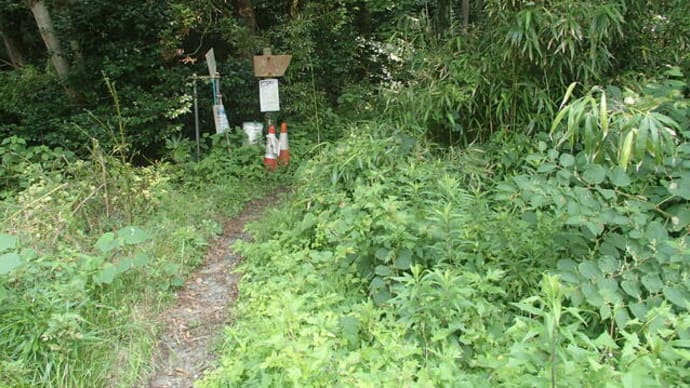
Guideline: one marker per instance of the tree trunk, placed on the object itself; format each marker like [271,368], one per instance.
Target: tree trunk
[441,17]
[12,46]
[465,14]
[52,42]
[45,27]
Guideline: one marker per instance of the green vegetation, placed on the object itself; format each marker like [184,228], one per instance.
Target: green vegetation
[482,191]
[91,251]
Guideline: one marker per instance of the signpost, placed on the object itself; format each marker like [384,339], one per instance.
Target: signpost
[268,68]
[220,118]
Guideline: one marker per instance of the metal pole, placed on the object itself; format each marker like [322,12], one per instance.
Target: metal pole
[196,120]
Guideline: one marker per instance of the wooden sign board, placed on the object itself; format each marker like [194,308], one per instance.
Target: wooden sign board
[271,65]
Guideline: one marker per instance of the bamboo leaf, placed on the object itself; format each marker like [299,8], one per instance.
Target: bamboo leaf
[626,149]
[604,116]
[568,93]
[559,118]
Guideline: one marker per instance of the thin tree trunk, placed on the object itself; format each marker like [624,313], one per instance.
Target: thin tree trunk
[465,14]
[52,42]
[45,27]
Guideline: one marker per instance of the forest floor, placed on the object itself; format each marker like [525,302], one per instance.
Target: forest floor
[192,326]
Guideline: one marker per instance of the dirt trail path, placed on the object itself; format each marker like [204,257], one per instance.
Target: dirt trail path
[200,311]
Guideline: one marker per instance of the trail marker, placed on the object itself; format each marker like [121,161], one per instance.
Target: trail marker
[269,65]
[220,119]
[268,68]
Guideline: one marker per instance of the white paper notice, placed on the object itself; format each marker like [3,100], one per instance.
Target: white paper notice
[268,95]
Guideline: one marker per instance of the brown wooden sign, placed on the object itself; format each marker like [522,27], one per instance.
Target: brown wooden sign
[269,65]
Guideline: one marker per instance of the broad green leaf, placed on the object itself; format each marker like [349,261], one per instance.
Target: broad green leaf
[680,187]
[7,242]
[596,228]
[608,265]
[680,216]
[656,231]
[632,288]
[567,160]
[652,283]
[567,265]
[10,261]
[133,235]
[404,259]
[639,310]
[383,270]
[349,327]
[546,167]
[381,296]
[591,294]
[604,311]
[619,177]
[125,264]
[604,341]
[621,317]
[588,269]
[377,283]
[594,174]
[141,259]
[676,296]
[382,254]
[107,243]
[308,222]
[106,275]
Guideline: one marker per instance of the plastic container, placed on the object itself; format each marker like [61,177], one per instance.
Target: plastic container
[254,131]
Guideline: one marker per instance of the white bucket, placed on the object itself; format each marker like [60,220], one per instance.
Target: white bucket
[254,131]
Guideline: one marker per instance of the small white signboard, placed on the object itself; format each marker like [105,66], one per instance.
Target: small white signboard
[268,95]
[211,62]
[220,119]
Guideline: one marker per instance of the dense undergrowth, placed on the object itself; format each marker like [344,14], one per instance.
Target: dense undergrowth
[91,249]
[559,259]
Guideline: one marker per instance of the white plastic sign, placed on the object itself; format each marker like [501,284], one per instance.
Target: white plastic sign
[220,119]
[268,95]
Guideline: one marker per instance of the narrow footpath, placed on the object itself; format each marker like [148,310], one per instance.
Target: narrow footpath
[192,325]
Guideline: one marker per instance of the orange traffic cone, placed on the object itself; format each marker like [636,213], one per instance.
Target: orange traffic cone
[271,149]
[284,155]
